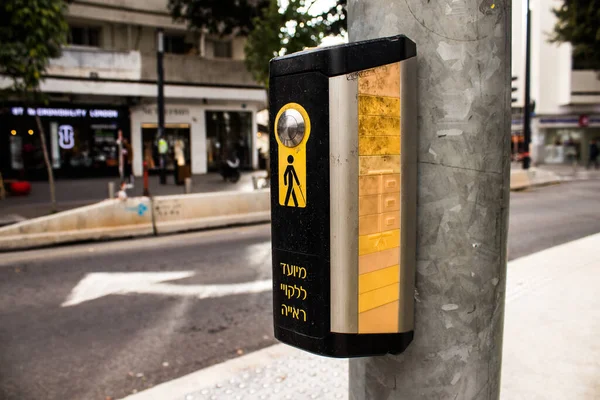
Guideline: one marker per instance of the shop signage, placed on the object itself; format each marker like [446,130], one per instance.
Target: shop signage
[65,112]
[168,111]
[66,138]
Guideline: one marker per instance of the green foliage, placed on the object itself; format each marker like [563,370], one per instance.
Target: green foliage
[218,16]
[579,24]
[271,29]
[280,31]
[31,33]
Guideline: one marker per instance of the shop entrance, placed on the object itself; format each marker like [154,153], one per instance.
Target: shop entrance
[563,146]
[228,132]
[178,138]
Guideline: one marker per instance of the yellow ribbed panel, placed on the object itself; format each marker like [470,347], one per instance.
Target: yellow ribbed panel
[379,145]
[379,150]
[378,165]
[378,279]
[384,126]
[381,259]
[383,319]
[378,242]
[378,297]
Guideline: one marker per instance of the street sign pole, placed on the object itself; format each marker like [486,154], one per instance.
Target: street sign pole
[464,97]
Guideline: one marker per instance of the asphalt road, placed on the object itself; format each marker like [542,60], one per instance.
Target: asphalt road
[138,333]
[548,216]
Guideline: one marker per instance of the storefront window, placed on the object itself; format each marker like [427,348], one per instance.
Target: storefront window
[228,132]
[562,146]
[81,142]
[178,138]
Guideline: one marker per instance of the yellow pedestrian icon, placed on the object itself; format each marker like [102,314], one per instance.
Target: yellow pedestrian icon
[292,130]
[289,177]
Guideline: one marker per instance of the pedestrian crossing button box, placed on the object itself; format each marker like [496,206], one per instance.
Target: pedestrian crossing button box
[343,150]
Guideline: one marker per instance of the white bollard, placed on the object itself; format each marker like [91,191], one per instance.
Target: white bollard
[188,185]
[111,190]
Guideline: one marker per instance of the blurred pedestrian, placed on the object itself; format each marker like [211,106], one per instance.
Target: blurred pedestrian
[122,193]
[163,148]
[127,155]
[594,152]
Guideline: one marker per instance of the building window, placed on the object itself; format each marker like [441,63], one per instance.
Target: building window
[84,36]
[227,133]
[176,44]
[583,61]
[221,48]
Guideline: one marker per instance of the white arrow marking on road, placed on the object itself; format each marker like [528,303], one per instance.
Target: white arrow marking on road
[100,284]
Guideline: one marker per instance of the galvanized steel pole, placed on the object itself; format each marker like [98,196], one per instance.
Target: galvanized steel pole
[464,91]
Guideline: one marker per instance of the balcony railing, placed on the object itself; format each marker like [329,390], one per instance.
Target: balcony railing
[194,69]
[585,87]
[88,62]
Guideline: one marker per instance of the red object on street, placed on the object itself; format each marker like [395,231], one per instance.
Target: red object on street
[584,121]
[20,188]
[146,191]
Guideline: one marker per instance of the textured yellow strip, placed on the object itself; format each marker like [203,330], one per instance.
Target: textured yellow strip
[378,297]
[377,165]
[382,319]
[378,145]
[389,221]
[381,81]
[368,205]
[378,279]
[369,184]
[389,202]
[390,183]
[369,125]
[381,259]
[369,224]
[378,242]
[375,184]
[375,105]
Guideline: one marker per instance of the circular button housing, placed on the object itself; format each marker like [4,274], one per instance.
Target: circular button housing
[291,128]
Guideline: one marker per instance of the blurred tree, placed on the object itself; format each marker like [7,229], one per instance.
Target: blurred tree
[579,24]
[273,28]
[218,16]
[284,30]
[31,33]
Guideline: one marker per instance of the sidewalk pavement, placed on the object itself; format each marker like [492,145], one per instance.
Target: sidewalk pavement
[570,172]
[551,347]
[73,193]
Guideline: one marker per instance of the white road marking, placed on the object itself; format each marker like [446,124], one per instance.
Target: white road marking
[99,284]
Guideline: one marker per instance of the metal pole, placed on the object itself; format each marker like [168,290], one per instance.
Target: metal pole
[111,190]
[120,150]
[161,98]
[464,100]
[527,105]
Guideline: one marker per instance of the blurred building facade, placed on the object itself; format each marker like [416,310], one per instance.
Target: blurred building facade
[105,81]
[566,93]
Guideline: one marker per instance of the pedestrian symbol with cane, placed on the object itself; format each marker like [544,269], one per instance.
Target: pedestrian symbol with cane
[292,131]
[289,177]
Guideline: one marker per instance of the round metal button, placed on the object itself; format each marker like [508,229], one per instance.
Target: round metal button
[291,128]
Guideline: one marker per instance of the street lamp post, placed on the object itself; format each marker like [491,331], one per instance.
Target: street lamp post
[160,101]
[527,105]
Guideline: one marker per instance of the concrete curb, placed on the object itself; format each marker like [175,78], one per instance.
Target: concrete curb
[138,216]
[521,179]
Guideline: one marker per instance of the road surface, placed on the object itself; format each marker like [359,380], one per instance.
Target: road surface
[103,320]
